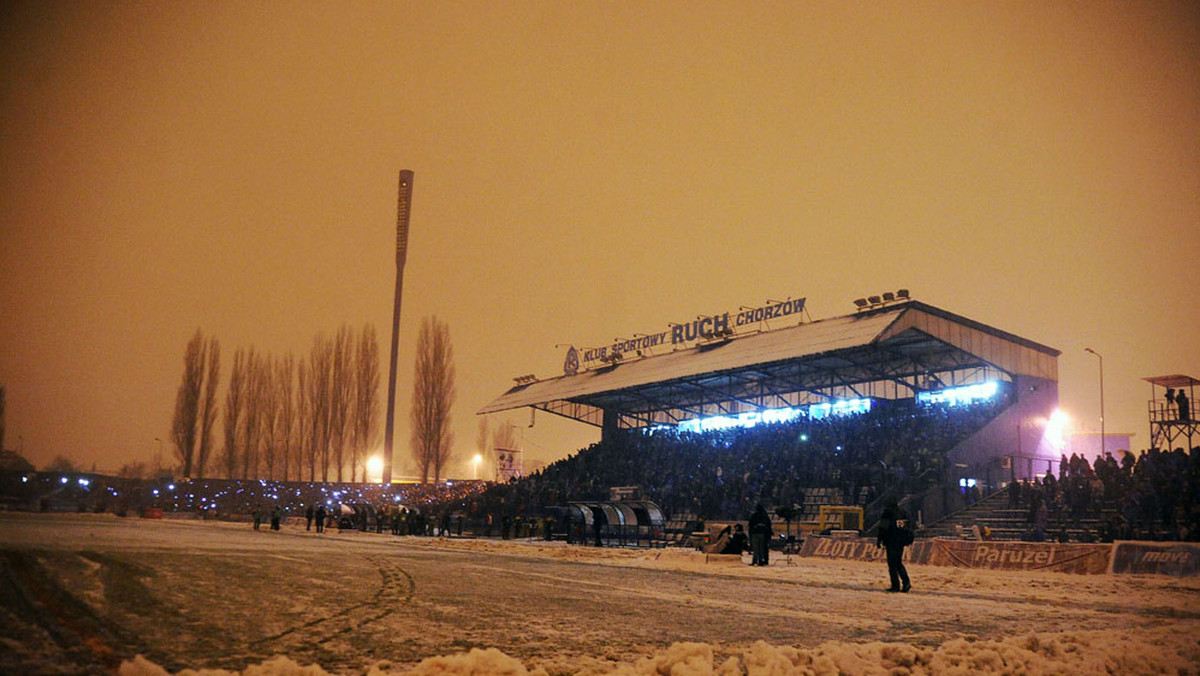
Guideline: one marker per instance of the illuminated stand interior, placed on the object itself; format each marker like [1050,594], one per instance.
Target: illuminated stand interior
[954,396]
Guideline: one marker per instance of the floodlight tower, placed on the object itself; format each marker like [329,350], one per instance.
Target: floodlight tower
[403,207]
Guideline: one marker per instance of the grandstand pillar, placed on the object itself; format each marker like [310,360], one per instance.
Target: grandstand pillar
[610,424]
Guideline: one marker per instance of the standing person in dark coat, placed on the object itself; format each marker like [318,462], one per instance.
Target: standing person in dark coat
[276,517]
[320,515]
[308,517]
[760,536]
[894,530]
[596,526]
[1185,406]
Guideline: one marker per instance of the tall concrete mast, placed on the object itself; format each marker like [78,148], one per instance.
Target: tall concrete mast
[403,207]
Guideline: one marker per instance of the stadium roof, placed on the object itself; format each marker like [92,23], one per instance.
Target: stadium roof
[889,352]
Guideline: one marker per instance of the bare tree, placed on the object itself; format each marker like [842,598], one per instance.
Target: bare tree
[253,421]
[366,398]
[268,418]
[208,408]
[304,424]
[134,470]
[315,385]
[62,463]
[234,403]
[341,396]
[187,403]
[433,397]
[285,400]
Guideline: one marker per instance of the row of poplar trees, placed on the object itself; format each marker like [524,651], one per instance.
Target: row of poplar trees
[317,418]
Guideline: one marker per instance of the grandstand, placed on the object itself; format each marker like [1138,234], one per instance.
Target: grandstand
[899,396]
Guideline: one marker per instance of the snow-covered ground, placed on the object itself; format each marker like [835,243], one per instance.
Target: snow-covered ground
[94,593]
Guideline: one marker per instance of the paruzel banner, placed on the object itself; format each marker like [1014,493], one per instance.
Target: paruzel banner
[1063,558]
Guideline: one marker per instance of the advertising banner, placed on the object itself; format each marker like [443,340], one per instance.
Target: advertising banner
[1063,558]
[860,549]
[1162,558]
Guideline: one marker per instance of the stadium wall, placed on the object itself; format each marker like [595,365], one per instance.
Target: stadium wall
[1018,432]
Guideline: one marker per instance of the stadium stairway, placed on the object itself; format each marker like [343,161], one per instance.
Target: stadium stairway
[1009,524]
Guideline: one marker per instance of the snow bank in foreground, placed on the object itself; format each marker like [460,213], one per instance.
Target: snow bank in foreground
[1160,651]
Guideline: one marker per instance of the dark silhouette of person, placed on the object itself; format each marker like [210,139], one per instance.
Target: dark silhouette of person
[738,542]
[1185,408]
[257,517]
[760,536]
[1170,399]
[893,524]
[276,517]
[320,516]
[308,518]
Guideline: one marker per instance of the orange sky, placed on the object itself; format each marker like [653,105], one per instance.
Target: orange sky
[582,171]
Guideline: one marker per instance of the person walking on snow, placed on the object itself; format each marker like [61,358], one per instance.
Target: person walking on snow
[895,533]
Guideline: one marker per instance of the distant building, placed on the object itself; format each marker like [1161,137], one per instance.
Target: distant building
[1087,444]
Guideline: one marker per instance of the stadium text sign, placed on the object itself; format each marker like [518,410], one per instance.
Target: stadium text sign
[725,324]
[1162,558]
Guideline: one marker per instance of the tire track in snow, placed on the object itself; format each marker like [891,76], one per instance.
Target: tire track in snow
[397,588]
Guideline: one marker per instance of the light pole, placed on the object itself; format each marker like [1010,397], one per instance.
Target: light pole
[1101,358]
[403,207]
[475,462]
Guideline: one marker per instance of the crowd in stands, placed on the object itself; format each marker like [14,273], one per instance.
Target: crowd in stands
[1154,495]
[897,446]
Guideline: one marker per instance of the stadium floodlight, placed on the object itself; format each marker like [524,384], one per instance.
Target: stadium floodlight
[874,300]
[902,294]
[860,302]
[888,296]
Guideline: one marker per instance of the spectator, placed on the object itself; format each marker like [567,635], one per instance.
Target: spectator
[760,536]
[737,541]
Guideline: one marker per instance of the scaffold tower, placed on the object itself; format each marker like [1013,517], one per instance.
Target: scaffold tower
[1170,411]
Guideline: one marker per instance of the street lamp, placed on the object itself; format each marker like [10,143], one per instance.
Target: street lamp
[475,463]
[1101,358]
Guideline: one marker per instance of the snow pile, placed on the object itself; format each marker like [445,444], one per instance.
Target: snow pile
[1160,651]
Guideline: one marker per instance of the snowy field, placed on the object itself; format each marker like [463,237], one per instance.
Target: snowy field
[94,594]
